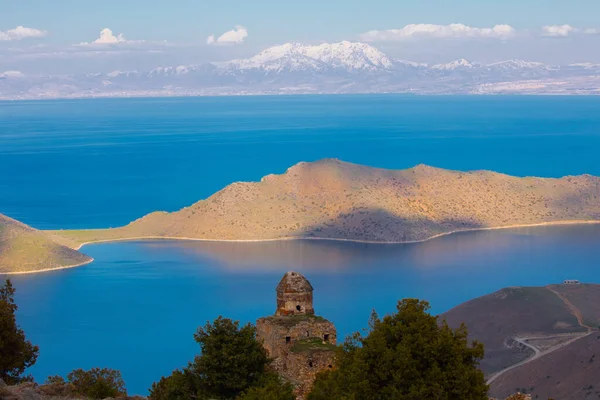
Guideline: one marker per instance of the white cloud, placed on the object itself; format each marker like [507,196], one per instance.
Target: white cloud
[106,36]
[234,36]
[21,32]
[439,31]
[566,30]
[558,30]
[11,74]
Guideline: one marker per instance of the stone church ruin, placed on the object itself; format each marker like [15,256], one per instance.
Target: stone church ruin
[300,342]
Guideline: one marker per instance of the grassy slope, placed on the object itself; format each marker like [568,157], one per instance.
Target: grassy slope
[24,249]
[334,199]
[510,312]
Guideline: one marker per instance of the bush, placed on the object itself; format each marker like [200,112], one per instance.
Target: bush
[16,352]
[94,384]
[55,380]
[56,386]
[405,356]
[177,386]
[231,362]
[272,388]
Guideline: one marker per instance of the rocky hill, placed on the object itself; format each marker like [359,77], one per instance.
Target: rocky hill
[538,340]
[337,200]
[24,249]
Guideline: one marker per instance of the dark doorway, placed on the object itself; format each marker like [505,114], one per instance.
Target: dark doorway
[288,339]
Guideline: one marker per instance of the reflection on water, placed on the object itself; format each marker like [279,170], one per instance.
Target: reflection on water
[136,307]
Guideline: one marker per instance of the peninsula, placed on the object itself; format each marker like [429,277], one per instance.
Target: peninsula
[24,250]
[331,199]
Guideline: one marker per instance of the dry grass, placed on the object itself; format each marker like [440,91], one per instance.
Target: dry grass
[24,249]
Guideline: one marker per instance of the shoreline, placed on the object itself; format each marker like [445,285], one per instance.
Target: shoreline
[289,238]
[91,260]
[285,238]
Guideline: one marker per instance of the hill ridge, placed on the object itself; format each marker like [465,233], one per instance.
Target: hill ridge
[334,199]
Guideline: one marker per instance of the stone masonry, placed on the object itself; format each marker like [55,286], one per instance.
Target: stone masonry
[300,343]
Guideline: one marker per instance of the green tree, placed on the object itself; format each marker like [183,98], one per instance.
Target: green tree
[231,362]
[16,352]
[271,388]
[96,383]
[408,355]
[178,386]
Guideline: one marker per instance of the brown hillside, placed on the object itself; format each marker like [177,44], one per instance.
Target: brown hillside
[497,318]
[569,373]
[24,249]
[586,298]
[334,199]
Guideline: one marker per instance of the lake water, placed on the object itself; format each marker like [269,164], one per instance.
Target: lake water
[100,163]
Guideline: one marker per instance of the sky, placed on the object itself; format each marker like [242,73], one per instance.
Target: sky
[65,36]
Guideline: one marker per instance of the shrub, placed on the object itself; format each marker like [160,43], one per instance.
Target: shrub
[55,380]
[272,388]
[177,386]
[95,384]
[56,386]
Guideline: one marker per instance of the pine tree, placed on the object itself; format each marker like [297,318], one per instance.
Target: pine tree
[16,352]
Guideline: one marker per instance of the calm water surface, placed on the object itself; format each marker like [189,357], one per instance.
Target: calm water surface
[102,163]
[137,306]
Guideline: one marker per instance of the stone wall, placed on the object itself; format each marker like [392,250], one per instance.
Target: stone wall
[280,334]
[295,303]
[302,368]
[301,346]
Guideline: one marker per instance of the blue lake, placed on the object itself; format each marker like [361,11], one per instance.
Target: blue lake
[101,163]
[137,306]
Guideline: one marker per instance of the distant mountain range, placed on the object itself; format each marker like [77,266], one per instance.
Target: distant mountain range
[343,67]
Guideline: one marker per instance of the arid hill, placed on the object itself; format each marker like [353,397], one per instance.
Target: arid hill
[337,200]
[24,249]
[538,340]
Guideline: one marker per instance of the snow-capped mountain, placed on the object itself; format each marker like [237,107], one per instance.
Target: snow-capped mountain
[515,65]
[297,57]
[455,65]
[343,67]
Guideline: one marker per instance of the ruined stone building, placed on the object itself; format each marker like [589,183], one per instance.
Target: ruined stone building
[300,342]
